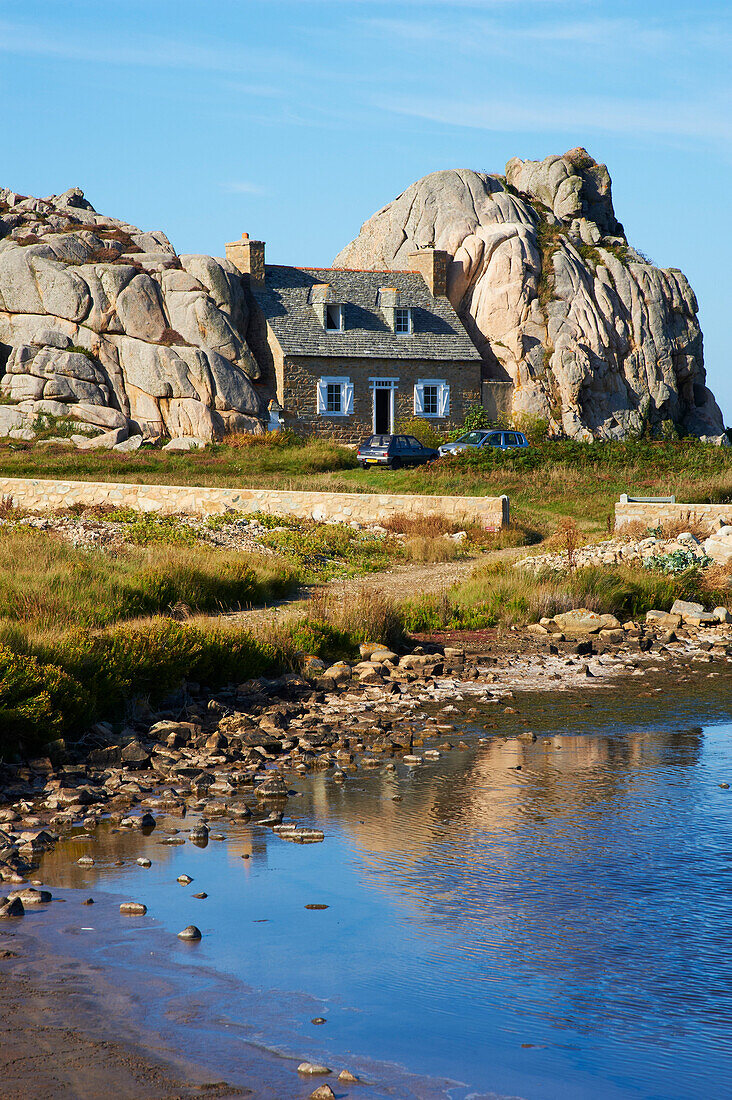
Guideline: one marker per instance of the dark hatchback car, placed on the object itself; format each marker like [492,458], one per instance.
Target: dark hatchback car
[394,451]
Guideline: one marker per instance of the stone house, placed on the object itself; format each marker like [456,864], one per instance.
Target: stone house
[346,353]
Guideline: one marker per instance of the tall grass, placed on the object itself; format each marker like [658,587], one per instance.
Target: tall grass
[502,595]
[46,585]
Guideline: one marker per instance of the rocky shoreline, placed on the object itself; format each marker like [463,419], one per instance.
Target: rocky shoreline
[231,752]
[230,756]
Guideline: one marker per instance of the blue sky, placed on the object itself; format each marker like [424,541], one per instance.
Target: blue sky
[297,119]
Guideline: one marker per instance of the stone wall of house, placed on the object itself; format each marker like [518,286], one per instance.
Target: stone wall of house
[708,517]
[498,399]
[301,376]
[39,496]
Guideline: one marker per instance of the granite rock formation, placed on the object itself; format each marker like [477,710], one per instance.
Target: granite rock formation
[107,326]
[593,337]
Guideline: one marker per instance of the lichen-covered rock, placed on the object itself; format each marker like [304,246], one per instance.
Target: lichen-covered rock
[96,313]
[594,338]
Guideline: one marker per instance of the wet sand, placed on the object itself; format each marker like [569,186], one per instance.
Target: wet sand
[67,1032]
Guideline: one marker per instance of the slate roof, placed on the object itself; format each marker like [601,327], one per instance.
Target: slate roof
[438,332]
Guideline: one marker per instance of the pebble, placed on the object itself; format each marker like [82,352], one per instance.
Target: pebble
[318,1020]
[323,1092]
[184,880]
[12,908]
[203,894]
[190,933]
[30,896]
[144,862]
[133,909]
[315,905]
[313,1069]
[85,861]
[346,1076]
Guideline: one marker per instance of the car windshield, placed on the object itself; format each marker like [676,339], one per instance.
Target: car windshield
[471,438]
[375,441]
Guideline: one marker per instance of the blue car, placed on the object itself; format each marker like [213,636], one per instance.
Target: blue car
[394,451]
[485,437]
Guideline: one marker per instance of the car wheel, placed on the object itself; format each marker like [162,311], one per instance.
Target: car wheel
[396,464]
[364,465]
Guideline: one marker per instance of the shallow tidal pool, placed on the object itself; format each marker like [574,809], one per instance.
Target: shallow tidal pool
[548,920]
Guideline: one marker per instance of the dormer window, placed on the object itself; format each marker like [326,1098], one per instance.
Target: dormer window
[333,317]
[397,316]
[328,312]
[402,321]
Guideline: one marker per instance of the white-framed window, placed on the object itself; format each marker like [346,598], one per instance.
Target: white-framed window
[333,317]
[432,398]
[402,321]
[334,397]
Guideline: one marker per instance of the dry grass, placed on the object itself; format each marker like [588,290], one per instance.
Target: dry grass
[365,616]
[669,529]
[48,586]
[500,595]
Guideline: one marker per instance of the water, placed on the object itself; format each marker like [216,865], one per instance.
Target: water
[563,930]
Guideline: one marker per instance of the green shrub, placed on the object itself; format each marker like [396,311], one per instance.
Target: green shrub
[37,700]
[421,429]
[118,666]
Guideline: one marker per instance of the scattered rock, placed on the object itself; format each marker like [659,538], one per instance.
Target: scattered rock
[323,1092]
[190,933]
[11,908]
[133,909]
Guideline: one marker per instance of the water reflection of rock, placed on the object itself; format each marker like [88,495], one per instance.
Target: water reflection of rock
[534,870]
[507,787]
[107,846]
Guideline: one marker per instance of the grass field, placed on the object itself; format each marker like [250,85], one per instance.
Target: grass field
[82,634]
[545,484]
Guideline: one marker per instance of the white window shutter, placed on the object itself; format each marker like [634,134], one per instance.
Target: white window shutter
[444,399]
[419,399]
[347,398]
[322,396]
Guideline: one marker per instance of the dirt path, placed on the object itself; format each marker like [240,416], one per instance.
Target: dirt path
[399,583]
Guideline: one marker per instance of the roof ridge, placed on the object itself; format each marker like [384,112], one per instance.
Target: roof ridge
[356,270]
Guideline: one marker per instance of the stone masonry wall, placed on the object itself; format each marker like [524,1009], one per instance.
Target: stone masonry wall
[301,375]
[706,516]
[39,496]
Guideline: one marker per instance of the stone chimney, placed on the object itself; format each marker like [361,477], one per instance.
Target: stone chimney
[431,263]
[248,257]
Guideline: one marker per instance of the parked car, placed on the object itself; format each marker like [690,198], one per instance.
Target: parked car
[394,451]
[485,437]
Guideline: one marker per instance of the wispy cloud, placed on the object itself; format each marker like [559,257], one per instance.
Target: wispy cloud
[631,34]
[243,187]
[641,117]
[147,51]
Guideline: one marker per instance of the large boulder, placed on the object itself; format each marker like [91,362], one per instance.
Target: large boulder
[595,338]
[95,313]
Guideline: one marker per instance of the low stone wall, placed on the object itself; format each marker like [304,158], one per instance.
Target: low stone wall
[39,496]
[706,516]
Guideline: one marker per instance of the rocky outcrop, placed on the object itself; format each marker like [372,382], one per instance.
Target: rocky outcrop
[107,326]
[594,337]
